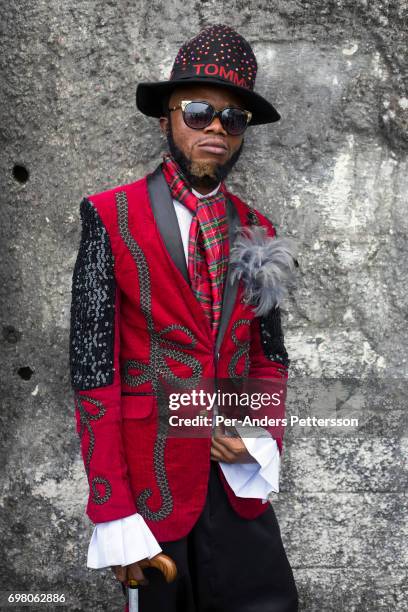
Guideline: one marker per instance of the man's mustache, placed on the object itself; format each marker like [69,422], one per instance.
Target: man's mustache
[216,173]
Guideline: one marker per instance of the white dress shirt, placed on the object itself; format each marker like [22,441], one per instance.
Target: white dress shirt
[126,540]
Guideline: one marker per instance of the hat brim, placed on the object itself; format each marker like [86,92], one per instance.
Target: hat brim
[149,97]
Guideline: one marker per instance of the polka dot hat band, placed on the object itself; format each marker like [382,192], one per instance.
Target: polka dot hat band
[218,56]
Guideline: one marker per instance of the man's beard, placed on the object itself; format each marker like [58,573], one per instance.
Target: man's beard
[201,174]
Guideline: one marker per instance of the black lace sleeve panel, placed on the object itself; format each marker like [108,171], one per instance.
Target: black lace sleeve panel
[91,350]
[272,337]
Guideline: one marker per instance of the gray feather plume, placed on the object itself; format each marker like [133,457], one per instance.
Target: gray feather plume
[265,265]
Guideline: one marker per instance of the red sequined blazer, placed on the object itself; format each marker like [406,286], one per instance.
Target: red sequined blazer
[134,322]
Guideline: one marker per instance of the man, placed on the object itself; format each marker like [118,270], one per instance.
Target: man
[176,281]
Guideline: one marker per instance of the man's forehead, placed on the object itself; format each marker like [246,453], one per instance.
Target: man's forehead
[209,93]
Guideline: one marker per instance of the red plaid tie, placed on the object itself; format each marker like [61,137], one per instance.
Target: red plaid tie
[208,246]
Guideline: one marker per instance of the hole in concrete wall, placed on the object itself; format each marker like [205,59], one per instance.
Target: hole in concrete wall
[25,372]
[20,173]
[19,529]
[11,334]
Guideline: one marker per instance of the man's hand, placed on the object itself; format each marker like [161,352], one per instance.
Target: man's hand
[130,572]
[230,450]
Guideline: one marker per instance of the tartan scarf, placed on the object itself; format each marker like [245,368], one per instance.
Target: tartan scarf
[208,245]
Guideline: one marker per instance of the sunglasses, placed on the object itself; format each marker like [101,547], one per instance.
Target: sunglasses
[199,115]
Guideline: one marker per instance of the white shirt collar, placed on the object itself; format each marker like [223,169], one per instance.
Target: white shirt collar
[206,195]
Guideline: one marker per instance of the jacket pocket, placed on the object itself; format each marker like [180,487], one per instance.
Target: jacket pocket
[138,406]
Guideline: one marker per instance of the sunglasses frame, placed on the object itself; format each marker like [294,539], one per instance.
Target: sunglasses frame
[216,113]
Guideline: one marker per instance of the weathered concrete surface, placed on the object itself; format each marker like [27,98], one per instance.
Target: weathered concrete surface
[332,174]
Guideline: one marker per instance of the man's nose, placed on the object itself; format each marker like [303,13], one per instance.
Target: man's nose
[216,127]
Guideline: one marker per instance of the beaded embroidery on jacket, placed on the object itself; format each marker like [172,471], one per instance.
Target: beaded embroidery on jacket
[92,306]
[92,330]
[160,348]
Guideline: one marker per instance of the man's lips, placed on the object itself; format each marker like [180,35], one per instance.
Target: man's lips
[213,145]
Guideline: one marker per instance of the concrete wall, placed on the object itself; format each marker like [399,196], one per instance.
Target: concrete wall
[332,174]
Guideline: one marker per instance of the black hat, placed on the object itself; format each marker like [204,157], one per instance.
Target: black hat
[217,56]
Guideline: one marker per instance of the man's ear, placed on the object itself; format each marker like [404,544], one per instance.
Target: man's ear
[164,125]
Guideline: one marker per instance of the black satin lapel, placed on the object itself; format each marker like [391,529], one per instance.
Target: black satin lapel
[166,219]
[230,290]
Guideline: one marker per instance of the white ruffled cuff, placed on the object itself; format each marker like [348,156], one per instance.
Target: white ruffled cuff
[255,479]
[121,542]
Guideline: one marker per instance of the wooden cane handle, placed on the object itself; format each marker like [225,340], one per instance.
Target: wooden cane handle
[163,563]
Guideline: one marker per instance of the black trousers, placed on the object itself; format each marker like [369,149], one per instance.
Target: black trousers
[225,564]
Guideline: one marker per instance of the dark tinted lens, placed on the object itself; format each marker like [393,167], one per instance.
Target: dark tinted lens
[198,115]
[234,120]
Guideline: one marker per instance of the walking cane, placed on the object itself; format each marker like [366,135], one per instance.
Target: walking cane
[163,563]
